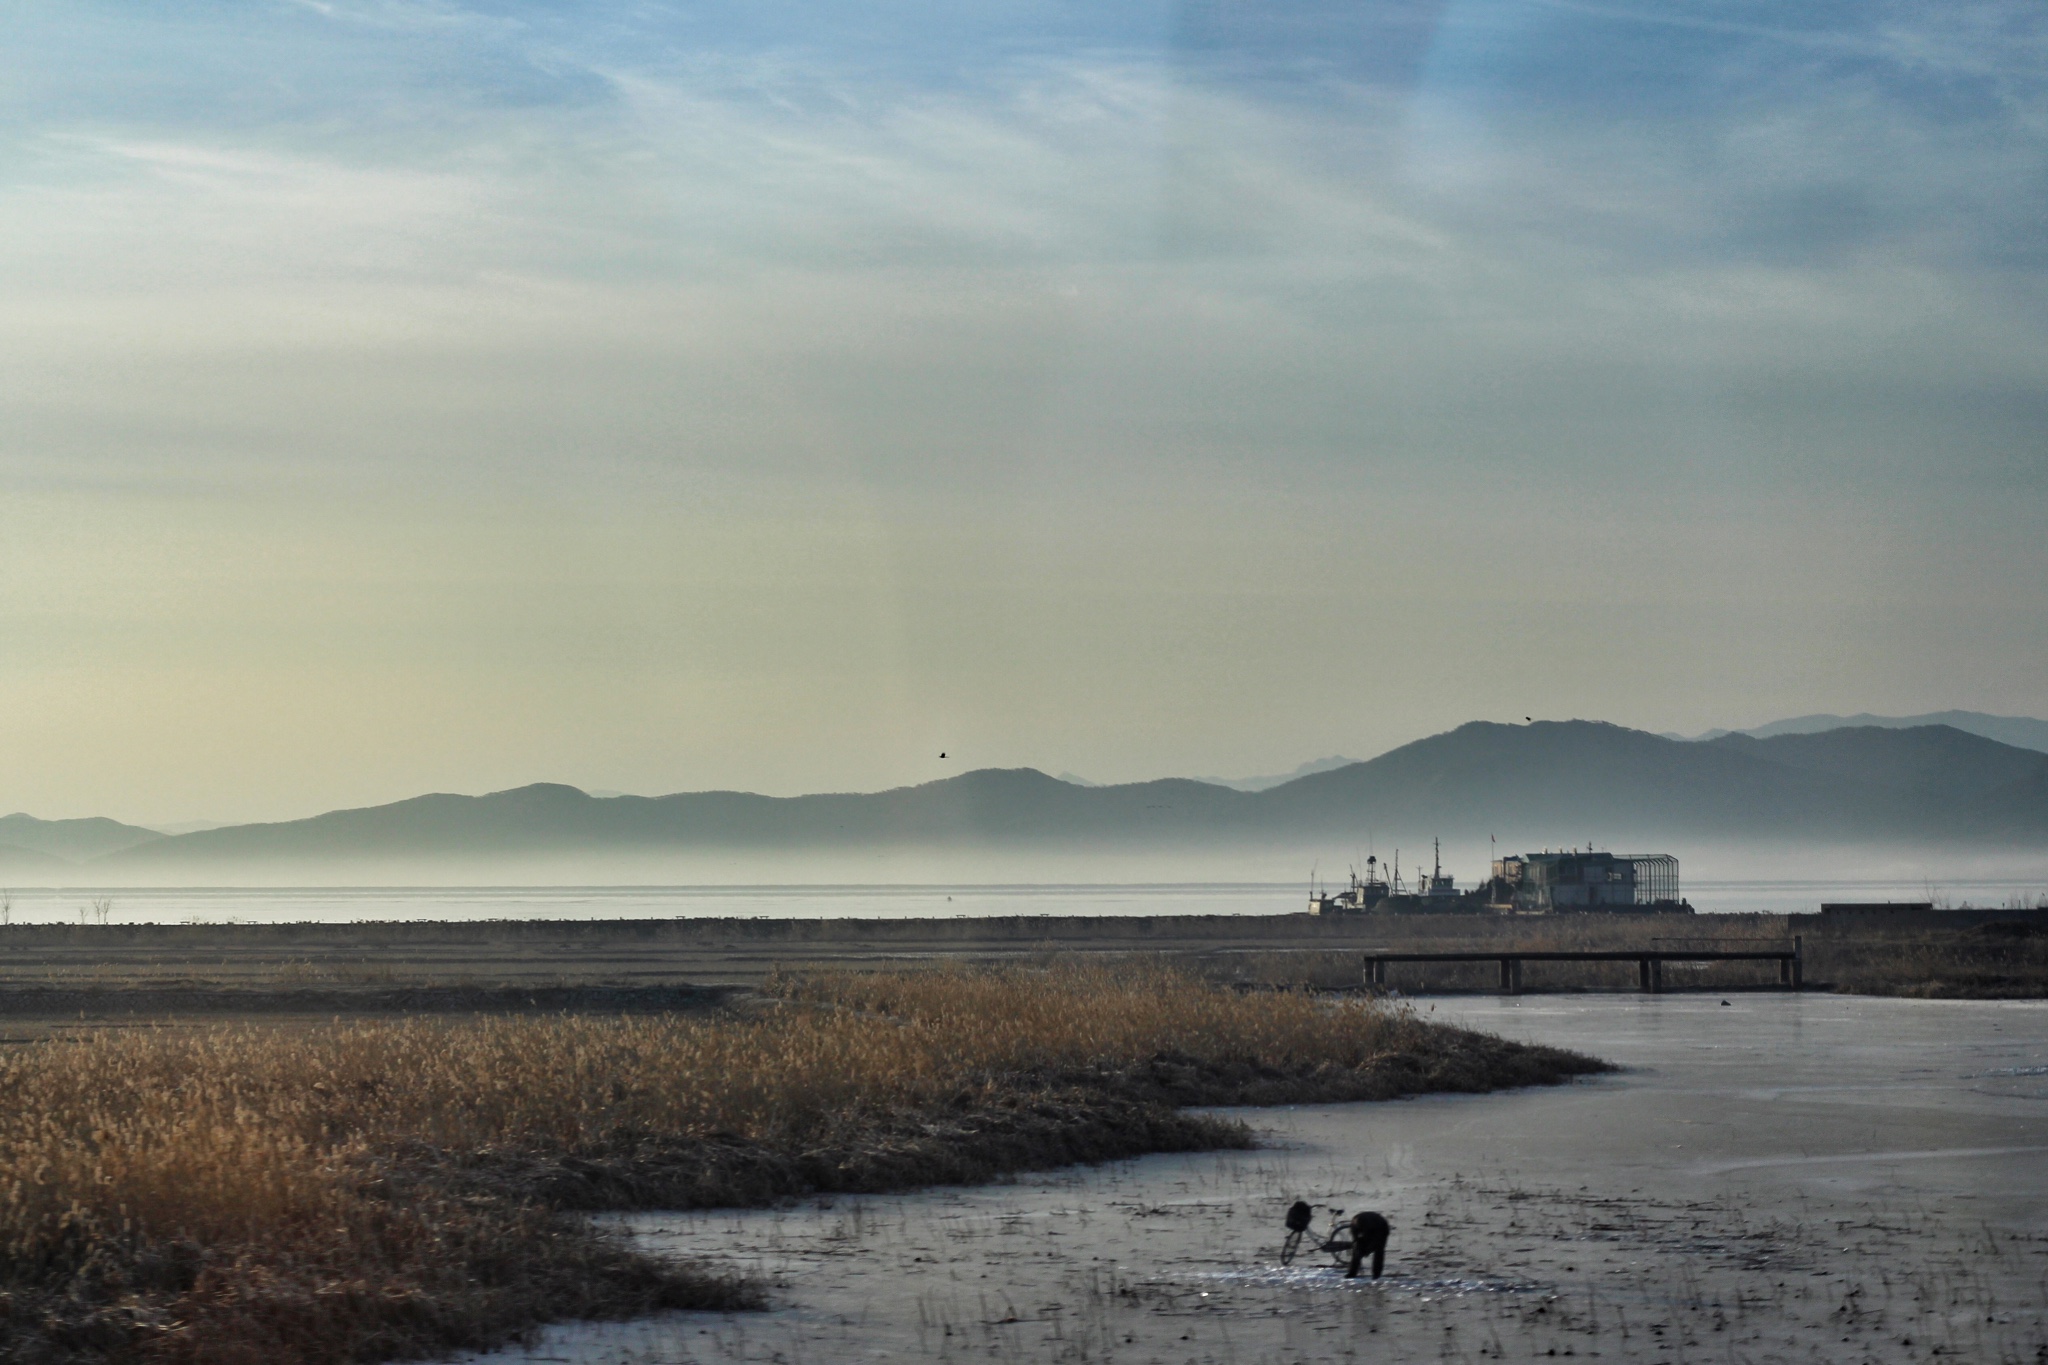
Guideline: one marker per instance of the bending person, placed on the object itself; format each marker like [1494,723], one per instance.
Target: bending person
[1368,1238]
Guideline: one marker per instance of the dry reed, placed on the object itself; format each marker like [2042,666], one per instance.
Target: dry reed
[1990,961]
[245,1193]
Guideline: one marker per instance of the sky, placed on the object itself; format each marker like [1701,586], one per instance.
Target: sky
[408,395]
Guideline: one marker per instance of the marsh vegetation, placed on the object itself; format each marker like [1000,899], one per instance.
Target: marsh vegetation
[1719,1199]
[1984,961]
[52,974]
[394,1188]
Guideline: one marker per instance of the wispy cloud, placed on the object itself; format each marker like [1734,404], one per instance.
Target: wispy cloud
[397,15]
[1169,295]
[1118,229]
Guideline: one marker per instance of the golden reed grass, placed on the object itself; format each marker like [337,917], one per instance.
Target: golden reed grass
[196,1180]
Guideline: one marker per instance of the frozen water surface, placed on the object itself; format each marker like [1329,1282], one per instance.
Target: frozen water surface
[1810,1178]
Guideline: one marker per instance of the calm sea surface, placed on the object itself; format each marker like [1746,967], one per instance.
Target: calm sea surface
[187,905]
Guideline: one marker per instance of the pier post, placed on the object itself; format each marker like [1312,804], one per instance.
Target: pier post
[1643,975]
[1798,962]
[1515,976]
[1507,976]
[1656,976]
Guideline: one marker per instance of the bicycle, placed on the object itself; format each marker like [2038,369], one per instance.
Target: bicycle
[1337,1241]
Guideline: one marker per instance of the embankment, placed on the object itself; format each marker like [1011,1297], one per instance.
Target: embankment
[115,972]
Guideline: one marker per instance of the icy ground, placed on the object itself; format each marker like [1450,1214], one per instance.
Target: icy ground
[1818,1178]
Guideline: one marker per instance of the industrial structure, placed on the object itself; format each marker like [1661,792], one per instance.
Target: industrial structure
[1381,888]
[1438,887]
[1581,879]
[1369,892]
[1576,880]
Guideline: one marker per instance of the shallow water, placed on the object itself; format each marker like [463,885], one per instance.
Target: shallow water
[286,905]
[1782,1178]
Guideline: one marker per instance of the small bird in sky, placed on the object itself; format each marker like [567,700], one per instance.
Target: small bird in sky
[942,755]
[1530,719]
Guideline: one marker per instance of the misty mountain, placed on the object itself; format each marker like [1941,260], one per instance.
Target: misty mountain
[1591,781]
[71,840]
[1259,784]
[2022,732]
[20,865]
[988,806]
[1565,782]
[1243,784]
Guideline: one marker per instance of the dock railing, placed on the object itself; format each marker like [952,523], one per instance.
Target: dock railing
[1649,962]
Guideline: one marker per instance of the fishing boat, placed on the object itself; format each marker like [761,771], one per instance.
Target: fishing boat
[1364,893]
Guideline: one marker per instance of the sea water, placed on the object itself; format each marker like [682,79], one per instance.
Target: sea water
[270,905]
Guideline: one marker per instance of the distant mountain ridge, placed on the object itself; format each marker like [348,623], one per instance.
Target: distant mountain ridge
[1565,781]
[1259,784]
[70,841]
[1848,784]
[2022,732]
[1243,784]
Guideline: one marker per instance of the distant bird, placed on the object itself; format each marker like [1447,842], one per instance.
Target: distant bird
[1724,1002]
[1530,719]
[942,755]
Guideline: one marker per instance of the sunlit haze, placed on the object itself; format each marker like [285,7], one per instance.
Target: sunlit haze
[435,396]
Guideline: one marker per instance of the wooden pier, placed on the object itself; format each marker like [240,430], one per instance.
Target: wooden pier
[1649,963]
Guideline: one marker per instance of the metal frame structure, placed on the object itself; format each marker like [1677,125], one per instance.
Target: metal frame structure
[1656,877]
[1532,881]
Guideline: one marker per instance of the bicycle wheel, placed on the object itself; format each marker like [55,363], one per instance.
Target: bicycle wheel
[1290,1246]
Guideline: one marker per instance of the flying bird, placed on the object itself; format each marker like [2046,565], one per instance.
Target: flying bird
[942,755]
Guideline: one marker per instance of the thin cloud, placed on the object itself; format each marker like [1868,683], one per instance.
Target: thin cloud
[1004,365]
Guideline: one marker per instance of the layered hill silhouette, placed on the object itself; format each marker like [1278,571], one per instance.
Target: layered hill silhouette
[26,841]
[2024,732]
[1569,781]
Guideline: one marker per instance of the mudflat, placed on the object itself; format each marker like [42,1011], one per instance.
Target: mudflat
[1786,1178]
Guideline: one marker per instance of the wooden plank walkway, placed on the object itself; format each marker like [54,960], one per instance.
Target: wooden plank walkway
[1649,962]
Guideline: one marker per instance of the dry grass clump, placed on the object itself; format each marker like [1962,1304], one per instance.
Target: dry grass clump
[1067,1015]
[216,1198]
[1988,962]
[1444,933]
[385,1189]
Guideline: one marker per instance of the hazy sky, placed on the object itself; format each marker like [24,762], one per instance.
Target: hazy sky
[406,395]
